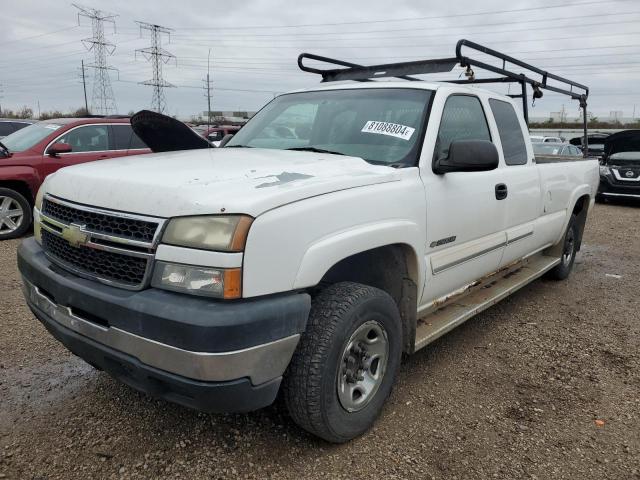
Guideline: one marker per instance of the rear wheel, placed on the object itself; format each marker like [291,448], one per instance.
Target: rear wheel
[15,214]
[346,363]
[569,250]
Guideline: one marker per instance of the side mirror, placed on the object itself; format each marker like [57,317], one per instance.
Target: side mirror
[468,156]
[58,148]
[225,140]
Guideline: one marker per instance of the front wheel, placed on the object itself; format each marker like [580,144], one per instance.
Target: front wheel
[346,363]
[569,250]
[15,214]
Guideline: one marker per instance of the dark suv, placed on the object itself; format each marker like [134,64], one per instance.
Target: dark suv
[10,125]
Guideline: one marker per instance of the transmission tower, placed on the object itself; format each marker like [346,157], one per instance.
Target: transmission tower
[102,101]
[157,56]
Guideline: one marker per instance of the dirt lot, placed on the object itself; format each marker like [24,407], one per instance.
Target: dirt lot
[544,385]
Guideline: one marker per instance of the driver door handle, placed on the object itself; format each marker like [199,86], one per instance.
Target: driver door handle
[501,191]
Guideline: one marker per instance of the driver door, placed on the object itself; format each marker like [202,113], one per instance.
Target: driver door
[88,143]
[465,220]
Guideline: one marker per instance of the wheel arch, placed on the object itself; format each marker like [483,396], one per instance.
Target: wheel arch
[393,268]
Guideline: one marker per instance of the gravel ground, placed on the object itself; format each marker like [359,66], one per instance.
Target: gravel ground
[544,385]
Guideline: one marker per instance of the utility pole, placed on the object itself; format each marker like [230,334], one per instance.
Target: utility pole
[102,100]
[157,56]
[84,86]
[208,88]
[1,97]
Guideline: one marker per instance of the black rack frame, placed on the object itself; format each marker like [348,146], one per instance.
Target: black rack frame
[403,70]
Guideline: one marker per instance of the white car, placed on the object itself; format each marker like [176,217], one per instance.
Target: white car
[543,139]
[309,263]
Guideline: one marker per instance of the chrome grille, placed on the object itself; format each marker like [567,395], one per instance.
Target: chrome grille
[110,247]
[101,222]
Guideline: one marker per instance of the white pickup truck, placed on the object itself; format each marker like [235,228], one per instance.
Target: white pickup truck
[305,263]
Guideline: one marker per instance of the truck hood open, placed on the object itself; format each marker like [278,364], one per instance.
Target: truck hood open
[210,181]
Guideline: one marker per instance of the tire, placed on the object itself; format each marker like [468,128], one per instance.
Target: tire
[340,315]
[563,269]
[19,217]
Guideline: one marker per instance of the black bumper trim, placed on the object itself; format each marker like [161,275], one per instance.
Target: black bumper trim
[616,188]
[191,323]
[213,397]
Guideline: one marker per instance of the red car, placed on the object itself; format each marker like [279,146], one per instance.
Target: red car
[30,154]
[216,134]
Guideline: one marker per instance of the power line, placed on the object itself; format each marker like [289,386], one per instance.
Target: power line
[157,56]
[102,101]
[39,35]
[574,18]
[239,43]
[432,17]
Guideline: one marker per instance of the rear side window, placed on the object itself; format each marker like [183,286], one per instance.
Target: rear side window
[462,119]
[124,138]
[513,147]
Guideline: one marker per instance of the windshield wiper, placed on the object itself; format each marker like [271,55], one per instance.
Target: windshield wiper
[4,149]
[314,149]
[238,146]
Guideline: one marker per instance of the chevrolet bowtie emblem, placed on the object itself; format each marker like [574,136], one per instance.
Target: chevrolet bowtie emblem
[75,235]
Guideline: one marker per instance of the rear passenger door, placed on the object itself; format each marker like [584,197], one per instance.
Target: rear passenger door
[465,220]
[522,180]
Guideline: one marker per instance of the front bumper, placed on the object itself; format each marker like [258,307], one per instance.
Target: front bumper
[208,355]
[612,188]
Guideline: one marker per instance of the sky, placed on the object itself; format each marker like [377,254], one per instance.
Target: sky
[254,45]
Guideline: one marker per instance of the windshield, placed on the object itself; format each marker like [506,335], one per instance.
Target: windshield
[547,149]
[27,137]
[380,125]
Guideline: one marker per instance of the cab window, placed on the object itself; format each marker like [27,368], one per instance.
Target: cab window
[462,119]
[513,147]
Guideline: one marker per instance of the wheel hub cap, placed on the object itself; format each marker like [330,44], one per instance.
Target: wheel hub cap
[11,215]
[363,364]
[569,246]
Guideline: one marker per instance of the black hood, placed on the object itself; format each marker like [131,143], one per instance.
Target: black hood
[625,141]
[595,138]
[165,134]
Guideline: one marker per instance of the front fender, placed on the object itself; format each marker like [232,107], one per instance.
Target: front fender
[327,252]
[23,174]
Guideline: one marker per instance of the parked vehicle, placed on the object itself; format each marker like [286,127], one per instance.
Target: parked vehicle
[10,125]
[311,264]
[595,143]
[563,149]
[620,167]
[30,154]
[216,134]
[543,139]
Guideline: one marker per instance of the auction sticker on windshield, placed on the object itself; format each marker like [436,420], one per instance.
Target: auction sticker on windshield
[390,129]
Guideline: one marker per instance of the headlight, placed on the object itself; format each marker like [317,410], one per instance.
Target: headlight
[604,170]
[39,197]
[227,233]
[37,230]
[206,281]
